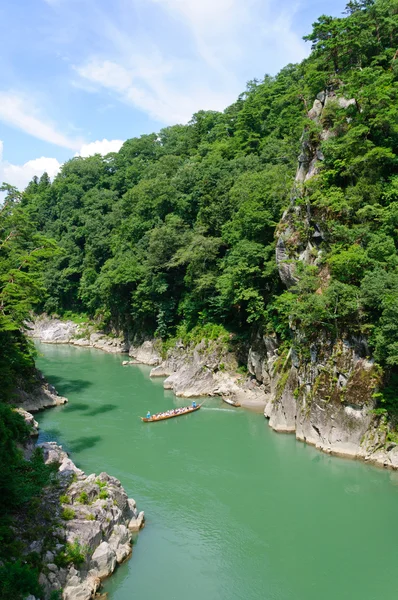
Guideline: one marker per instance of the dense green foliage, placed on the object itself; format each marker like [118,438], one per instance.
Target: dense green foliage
[22,254]
[177,226]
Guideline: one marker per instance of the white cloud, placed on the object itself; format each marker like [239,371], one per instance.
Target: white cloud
[18,112]
[146,86]
[20,175]
[100,147]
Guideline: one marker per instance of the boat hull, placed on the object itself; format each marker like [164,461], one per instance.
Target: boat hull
[163,417]
[231,402]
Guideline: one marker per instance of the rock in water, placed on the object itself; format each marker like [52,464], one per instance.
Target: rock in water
[98,520]
[103,560]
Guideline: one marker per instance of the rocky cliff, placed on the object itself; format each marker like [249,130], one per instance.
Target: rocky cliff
[327,400]
[326,397]
[96,521]
[81,530]
[209,369]
[57,331]
[299,235]
[39,395]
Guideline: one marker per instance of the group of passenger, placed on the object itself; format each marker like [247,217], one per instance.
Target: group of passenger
[173,411]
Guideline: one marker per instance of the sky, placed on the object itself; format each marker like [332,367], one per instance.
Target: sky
[81,76]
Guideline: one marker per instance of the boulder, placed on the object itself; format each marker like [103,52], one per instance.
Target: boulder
[81,590]
[104,560]
[88,533]
[120,542]
[136,523]
[53,453]
[146,353]
[160,371]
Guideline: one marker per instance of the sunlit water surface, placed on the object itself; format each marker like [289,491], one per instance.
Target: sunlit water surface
[234,511]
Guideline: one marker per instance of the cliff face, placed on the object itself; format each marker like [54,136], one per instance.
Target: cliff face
[55,331]
[96,520]
[298,233]
[40,395]
[81,528]
[326,398]
[209,369]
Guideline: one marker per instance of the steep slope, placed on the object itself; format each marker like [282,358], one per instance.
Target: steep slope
[328,395]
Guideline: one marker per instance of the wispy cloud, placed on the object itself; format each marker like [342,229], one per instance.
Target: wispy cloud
[17,111]
[146,86]
[216,27]
[170,81]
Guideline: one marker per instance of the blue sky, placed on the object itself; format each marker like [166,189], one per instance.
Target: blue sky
[80,76]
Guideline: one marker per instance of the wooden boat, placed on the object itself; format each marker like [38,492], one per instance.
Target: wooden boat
[231,402]
[170,414]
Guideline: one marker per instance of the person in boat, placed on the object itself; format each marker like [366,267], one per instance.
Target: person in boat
[193,404]
[148,415]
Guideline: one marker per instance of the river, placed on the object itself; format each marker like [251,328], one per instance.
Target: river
[234,511]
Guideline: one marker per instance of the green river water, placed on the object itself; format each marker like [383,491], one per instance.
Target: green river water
[234,511]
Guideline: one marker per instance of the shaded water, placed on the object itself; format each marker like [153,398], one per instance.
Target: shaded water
[234,511]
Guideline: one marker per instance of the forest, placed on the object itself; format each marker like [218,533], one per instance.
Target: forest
[177,231]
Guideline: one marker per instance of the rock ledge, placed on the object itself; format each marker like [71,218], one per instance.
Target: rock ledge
[96,520]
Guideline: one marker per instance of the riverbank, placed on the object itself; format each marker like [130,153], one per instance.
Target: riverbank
[57,331]
[328,403]
[84,525]
[204,369]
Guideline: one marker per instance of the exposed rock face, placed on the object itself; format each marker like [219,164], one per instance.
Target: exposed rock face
[30,421]
[146,353]
[33,426]
[42,395]
[55,331]
[327,399]
[285,266]
[291,245]
[208,369]
[97,519]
